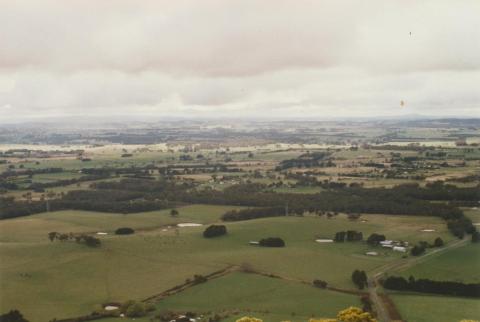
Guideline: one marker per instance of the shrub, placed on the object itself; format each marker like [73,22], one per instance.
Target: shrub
[319,283]
[438,242]
[134,309]
[417,250]
[124,231]
[272,242]
[214,231]
[197,279]
[249,319]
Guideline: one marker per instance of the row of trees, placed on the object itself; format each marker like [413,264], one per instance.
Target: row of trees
[253,213]
[88,240]
[306,160]
[136,195]
[349,235]
[429,286]
[421,247]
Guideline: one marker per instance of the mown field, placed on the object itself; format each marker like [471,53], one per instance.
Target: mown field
[53,279]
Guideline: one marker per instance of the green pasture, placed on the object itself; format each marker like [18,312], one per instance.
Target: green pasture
[460,265]
[429,308]
[53,279]
[275,300]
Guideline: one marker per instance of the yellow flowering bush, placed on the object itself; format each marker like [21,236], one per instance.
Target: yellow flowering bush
[249,319]
[354,314]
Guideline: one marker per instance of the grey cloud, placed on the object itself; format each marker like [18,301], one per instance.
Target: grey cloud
[238,38]
[239,57]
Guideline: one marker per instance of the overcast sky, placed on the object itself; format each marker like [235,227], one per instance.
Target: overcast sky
[298,58]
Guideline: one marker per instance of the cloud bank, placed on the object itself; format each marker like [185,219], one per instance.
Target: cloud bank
[238,58]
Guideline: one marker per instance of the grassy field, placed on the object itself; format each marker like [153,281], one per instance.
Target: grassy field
[424,308]
[240,294]
[461,265]
[47,280]
[253,295]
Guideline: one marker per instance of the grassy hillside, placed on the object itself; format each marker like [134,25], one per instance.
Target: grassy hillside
[46,280]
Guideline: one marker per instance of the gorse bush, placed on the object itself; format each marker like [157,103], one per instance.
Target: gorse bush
[352,314]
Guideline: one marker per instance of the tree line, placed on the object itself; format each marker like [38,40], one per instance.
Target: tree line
[399,283]
[136,195]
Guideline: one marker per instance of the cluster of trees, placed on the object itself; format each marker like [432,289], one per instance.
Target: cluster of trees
[461,226]
[12,316]
[350,200]
[272,242]
[124,231]
[429,286]
[9,208]
[136,195]
[41,186]
[359,278]
[29,172]
[375,239]
[349,235]
[88,240]
[141,185]
[215,231]
[306,160]
[420,248]
[134,309]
